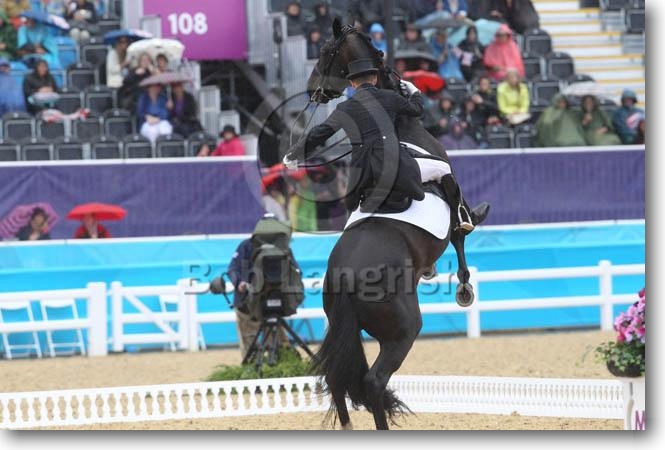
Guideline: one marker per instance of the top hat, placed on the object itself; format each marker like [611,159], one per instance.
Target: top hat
[361,67]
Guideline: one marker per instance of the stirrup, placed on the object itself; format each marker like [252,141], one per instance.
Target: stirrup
[463,224]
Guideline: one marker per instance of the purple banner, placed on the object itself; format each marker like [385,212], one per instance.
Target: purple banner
[209,29]
[161,199]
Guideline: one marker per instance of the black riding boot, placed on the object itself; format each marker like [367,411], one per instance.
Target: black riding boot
[461,214]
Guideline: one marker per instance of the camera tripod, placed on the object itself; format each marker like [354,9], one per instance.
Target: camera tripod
[267,340]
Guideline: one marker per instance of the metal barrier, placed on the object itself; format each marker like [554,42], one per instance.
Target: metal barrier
[545,397]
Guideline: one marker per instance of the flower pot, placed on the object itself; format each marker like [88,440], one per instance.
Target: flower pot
[628,372]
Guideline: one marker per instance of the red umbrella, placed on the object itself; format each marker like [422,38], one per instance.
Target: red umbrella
[100,211]
[426,81]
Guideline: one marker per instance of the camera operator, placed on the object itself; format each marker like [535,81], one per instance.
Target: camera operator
[240,271]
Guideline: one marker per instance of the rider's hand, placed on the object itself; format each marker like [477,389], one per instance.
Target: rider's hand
[408,87]
[290,163]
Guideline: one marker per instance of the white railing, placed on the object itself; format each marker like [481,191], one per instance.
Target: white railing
[592,399]
[181,326]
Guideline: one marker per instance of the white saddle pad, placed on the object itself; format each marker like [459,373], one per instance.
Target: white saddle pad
[432,214]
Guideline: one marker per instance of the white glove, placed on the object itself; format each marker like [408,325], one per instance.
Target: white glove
[289,163]
[408,87]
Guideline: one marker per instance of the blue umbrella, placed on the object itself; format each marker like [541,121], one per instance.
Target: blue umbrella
[111,37]
[46,19]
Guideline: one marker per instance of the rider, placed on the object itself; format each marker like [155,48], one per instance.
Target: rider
[368,119]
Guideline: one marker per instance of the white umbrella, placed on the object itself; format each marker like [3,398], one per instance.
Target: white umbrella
[587,88]
[171,48]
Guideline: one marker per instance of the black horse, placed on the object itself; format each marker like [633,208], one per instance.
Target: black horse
[374,268]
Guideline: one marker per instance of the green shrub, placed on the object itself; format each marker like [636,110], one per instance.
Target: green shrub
[289,364]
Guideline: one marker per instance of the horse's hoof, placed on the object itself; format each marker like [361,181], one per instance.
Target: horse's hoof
[464,295]
[429,273]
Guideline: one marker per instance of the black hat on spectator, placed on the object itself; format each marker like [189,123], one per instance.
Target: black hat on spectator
[228,129]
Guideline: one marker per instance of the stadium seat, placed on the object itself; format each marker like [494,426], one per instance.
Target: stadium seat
[94,52]
[544,88]
[519,40]
[17,126]
[67,51]
[170,146]
[137,146]
[635,20]
[68,148]
[457,88]
[70,100]
[524,135]
[537,42]
[105,147]
[560,66]
[81,75]
[87,129]
[537,107]
[613,5]
[499,136]
[532,65]
[195,140]
[50,130]
[115,7]
[66,309]
[607,105]
[98,99]
[118,123]
[8,151]
[108,23]
[36,149]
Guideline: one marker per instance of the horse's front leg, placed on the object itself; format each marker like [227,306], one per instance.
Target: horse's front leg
[464,295]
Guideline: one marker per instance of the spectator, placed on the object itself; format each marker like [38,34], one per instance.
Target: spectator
[456,8]
[36,40]
[626,118]
[503,53]
[36,229]
[11,97]
[153,113]
[15,7]
[322,20]
[473,120]
[449,64]
[80,14]
[91,229]
[438,118]
[314,43]
[39,87]
[183,116]
[378,34]
[302,206]
[116,63]
[596,124]
[162,62]
[520,14]
[485,99]
[274,201]
[456,138]
[295,25]
[130,90]
[366,11]
[471,58]
[513,98]
[559,126]
[231,144]
[7,37]
[640,139]
[54,7]
[413,40]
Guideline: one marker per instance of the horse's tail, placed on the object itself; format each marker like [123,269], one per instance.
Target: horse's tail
[341,359]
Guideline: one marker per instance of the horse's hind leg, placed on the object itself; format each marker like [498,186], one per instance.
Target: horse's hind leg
[342,411]
[390,358]
[464,295]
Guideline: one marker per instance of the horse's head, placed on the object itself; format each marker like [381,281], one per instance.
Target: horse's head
[328,79]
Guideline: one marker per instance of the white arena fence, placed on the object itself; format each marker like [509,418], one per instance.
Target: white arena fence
[181,327]
[591,399]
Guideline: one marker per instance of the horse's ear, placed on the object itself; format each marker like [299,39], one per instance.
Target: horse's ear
[337,27]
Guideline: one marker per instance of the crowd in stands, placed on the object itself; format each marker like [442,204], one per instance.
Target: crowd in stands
[482,89]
